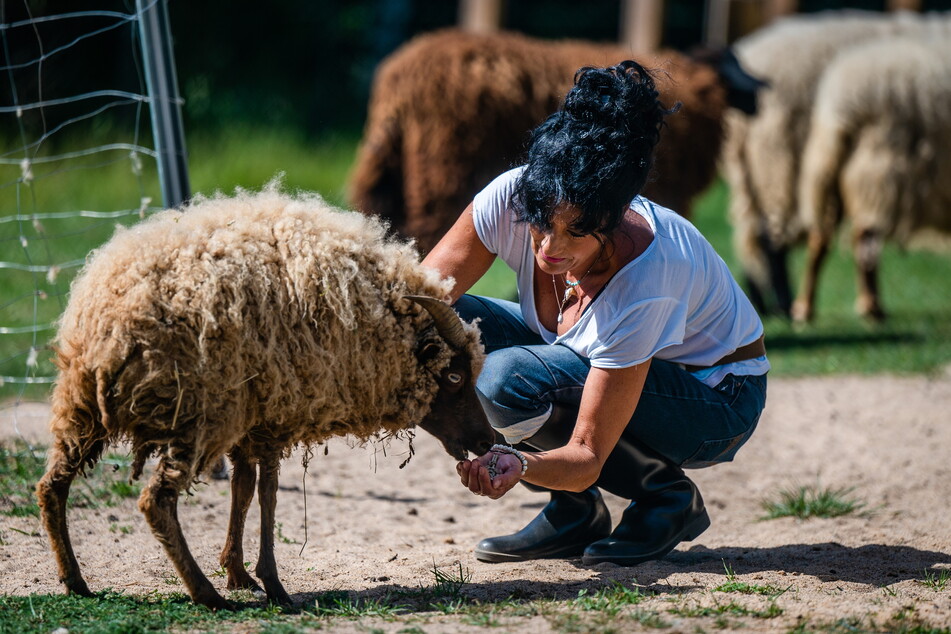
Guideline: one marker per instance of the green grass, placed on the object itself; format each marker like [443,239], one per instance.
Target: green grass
[915,288]
[21,466]
[805,502]
[916,292]
[604,609]
[937,580]
[113,612]
[734,585]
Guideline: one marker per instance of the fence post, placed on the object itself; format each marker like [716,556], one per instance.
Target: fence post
[165,103]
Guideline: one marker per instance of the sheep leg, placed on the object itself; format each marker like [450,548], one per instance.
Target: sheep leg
[159,504]
[818,249]
[52,491]
[242,490]
[867,246]
[266,568]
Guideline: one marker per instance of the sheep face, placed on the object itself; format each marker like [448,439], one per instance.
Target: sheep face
[456,417]
[742,88]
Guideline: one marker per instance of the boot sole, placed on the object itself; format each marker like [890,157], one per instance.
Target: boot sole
[690,532]
[492,557]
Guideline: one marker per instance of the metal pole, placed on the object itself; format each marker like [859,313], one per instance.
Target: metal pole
[165,104]
[716,28]
[480,16]
[642,24]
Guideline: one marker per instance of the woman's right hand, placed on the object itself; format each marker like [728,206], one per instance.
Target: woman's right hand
[474,474]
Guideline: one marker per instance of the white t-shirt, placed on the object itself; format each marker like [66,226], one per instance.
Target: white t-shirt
[677,301]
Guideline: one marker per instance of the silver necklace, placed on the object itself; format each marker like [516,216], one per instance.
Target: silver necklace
[571,287]
[568,293]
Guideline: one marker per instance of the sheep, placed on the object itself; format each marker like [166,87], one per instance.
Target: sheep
[762,152]
[249,325]
[879,155]
[450,110]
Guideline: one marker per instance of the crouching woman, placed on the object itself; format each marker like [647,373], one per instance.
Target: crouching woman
[631,354]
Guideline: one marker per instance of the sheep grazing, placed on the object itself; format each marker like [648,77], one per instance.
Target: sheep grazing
[879,155]
[451,110]
[762,152]
[248,326]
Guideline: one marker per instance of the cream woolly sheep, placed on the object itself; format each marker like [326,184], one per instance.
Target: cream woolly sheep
[450,110]
[879,155]
[249,325]
[762,151]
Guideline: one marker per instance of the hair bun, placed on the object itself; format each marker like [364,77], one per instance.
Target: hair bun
[612,96]
[593,97]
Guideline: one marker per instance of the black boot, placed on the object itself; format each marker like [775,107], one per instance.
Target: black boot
[567,524]
[564,528]
[666,508]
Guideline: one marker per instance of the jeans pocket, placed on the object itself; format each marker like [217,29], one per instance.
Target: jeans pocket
[712,452]
[731,387]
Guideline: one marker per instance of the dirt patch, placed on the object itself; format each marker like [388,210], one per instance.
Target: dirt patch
[370,527]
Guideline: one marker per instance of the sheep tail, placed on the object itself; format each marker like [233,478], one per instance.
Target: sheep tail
[820,200]
[76,424]
[102,384]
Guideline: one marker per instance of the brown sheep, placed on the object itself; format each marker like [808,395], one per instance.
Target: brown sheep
[451,110]
[248,326]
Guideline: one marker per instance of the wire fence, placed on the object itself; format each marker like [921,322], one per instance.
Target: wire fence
[78,158]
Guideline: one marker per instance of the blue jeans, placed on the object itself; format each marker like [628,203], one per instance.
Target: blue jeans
[686,421]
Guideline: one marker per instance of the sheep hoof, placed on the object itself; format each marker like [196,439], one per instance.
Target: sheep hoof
[873,313]
[278,596]
[213,601]
[241,580]
[77,586]
[801,313]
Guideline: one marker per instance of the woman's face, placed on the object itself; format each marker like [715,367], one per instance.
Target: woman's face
[561,249]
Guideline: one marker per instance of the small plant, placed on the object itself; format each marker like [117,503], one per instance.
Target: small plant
[728,609]
[733,585]
[340,604]
[609,600]
[448,584]
[487,618]
[280,534]
[20,468]
[107,484]
[809,501]
[937,580]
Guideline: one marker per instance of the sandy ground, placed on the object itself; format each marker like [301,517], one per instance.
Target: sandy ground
[370,527]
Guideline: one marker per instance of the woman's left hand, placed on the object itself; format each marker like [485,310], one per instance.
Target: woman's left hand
[475,474]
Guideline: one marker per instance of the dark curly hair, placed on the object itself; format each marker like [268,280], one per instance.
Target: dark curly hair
[596,152]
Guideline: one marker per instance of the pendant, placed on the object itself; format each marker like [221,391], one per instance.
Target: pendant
[564,300]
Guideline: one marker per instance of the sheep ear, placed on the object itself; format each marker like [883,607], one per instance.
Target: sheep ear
[427,351]
[447,321]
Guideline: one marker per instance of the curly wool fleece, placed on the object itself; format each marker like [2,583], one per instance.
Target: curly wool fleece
[258,311]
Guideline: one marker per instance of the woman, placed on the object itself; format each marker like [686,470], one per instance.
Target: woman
[632,353]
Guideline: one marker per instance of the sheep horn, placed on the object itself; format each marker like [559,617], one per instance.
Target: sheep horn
[447,321]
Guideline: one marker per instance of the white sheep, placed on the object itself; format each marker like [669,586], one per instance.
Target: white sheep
[878,154]
[762,151]
[249,325]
